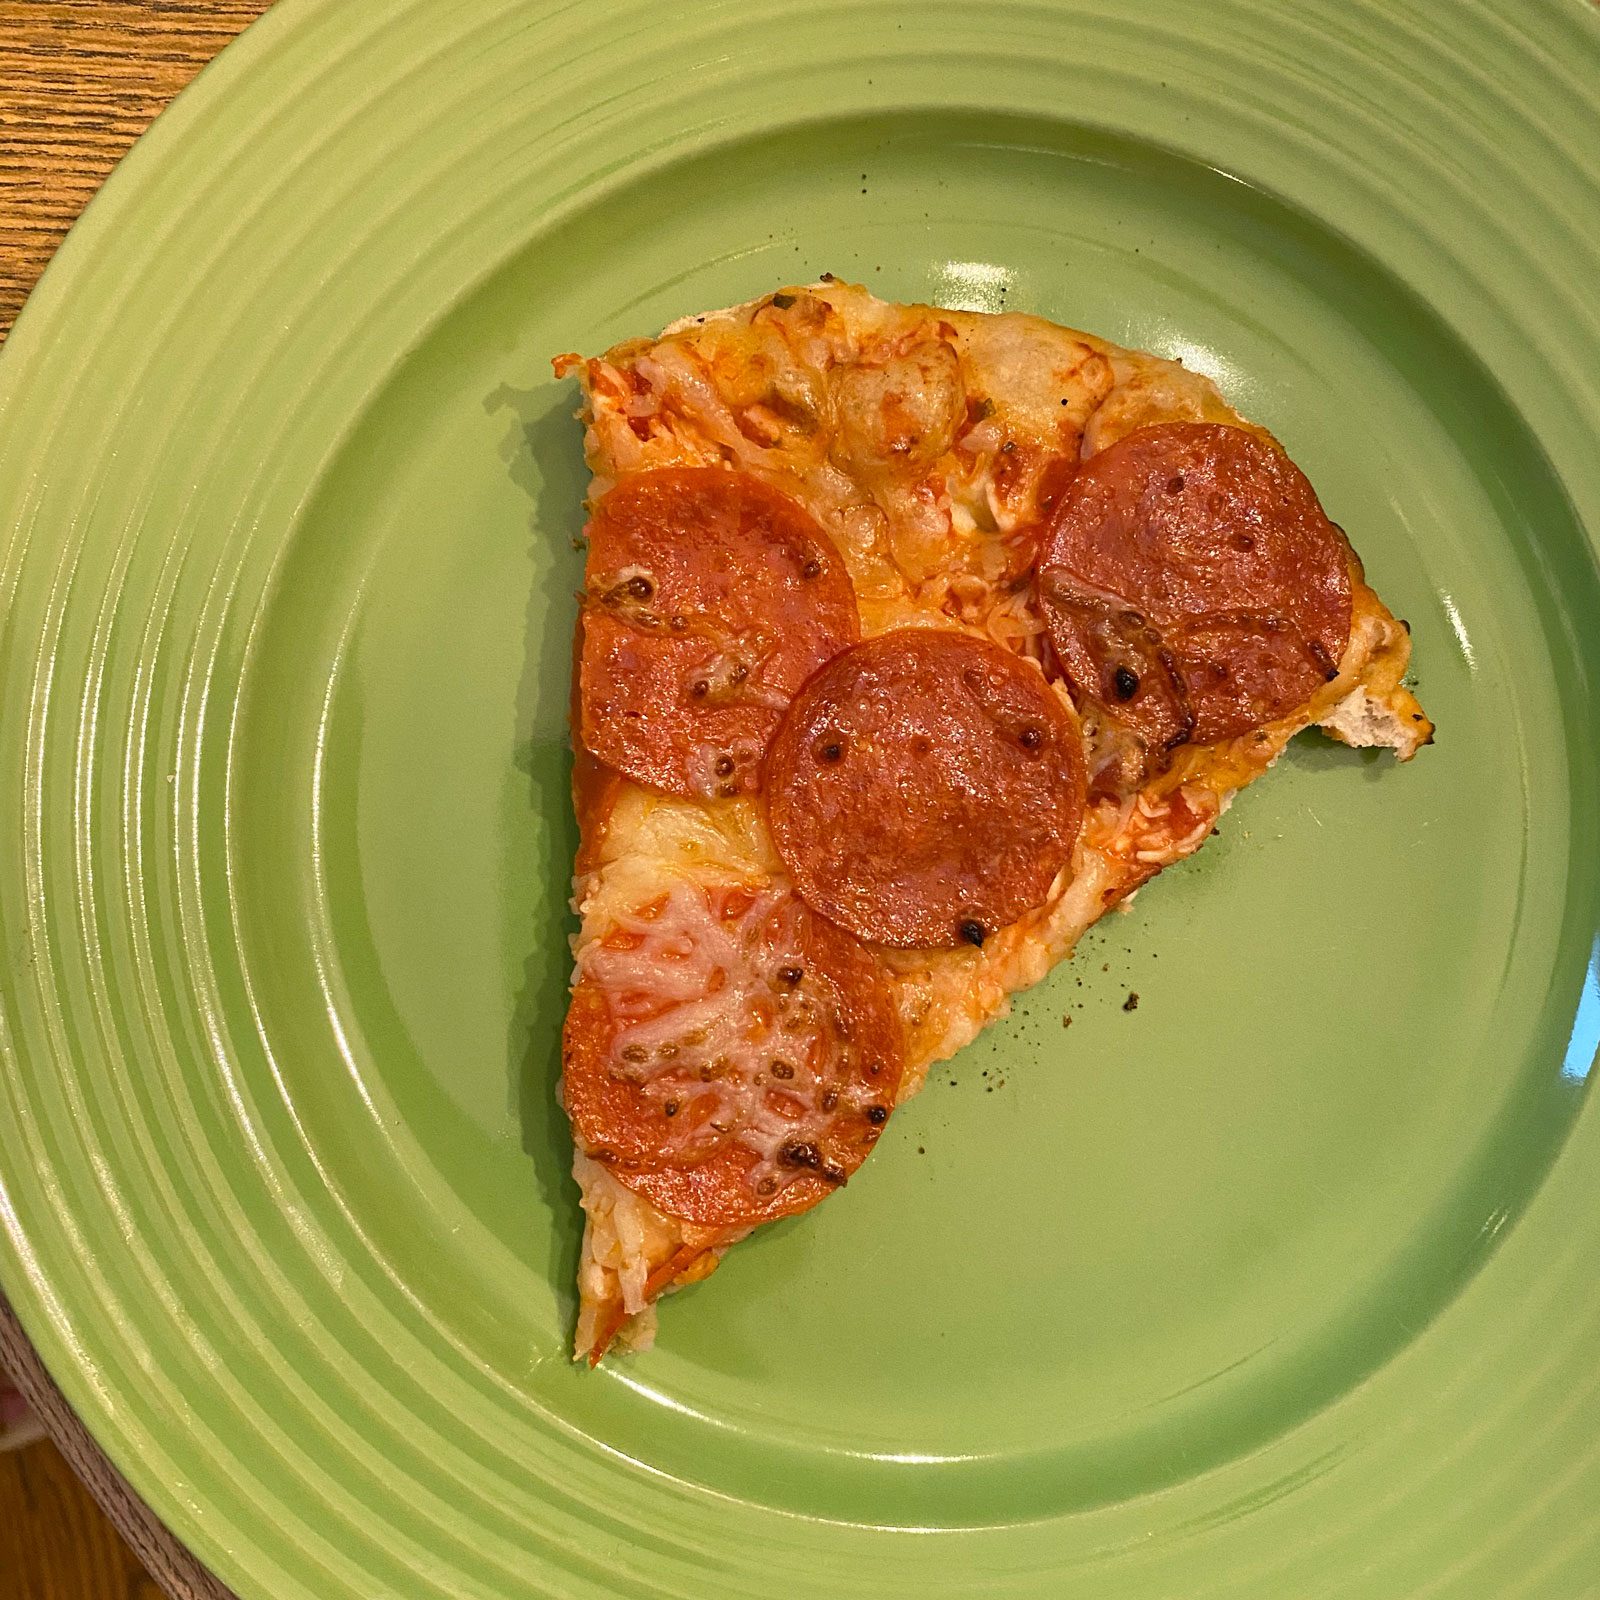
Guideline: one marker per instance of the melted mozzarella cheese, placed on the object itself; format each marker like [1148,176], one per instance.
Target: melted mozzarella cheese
[709,1028]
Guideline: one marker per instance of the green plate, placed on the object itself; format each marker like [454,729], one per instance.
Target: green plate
[1282,1284]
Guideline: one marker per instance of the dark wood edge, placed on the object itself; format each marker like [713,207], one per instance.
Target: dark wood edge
[164,1558]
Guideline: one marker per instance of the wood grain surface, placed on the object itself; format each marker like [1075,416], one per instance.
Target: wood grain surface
[80,80]
[55,1542]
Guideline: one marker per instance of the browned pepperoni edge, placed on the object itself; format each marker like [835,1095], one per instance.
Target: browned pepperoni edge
[1193,585]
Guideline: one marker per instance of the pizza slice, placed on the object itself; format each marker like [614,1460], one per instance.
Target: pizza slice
[912,641]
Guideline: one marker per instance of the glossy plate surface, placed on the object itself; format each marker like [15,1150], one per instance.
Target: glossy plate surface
[1281,1283]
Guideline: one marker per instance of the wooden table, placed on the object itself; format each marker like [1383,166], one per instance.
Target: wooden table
[80,80]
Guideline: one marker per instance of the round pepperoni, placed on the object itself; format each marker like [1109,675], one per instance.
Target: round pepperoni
[710,597]
[1193,585]
[729,1054]
[925,788]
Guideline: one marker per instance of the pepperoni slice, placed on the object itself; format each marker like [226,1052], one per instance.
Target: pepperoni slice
[710,598]
[1193,585]
[925,788]
[729,1054]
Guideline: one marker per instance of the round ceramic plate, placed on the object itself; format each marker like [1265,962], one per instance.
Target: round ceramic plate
[1280,1284]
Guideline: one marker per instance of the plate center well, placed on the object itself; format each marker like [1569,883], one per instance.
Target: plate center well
[1114,1252]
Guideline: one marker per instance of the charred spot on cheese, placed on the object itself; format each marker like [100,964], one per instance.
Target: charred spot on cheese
[625,593]
[1319,654]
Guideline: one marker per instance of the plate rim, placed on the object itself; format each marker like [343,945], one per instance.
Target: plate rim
[51,300]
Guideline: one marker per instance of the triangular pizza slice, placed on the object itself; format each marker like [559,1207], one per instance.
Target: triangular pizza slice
[912,641]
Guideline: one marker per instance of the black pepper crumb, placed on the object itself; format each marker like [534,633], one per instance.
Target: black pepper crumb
[1066,1019]
[1131,1003]
[1105,966]
[972,932]
[783,301]
[1126,682]
[922,1150]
